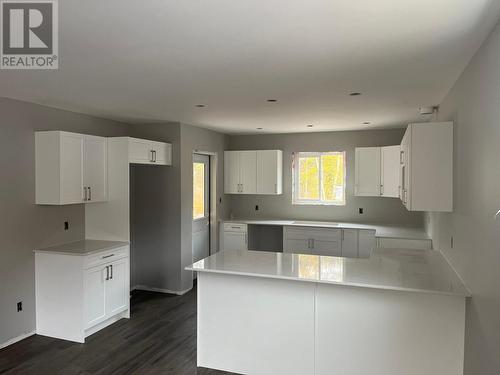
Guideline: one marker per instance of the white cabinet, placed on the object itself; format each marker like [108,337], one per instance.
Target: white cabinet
[349,243]
[253,172]
[389,171]
[427,167]
[142,151]
[77,295]
[234,236]
[367,171]
[70,168]
[377,171]
[270,172]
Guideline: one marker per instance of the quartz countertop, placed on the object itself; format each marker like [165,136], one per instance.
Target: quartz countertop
[381,231]
[394,269]
[83,247]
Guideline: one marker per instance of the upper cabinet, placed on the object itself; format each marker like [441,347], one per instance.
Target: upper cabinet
[377,171]
[142,151]
[427,167]
[253,172]
[70,168]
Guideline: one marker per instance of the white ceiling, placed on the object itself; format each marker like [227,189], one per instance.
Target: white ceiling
[154,60]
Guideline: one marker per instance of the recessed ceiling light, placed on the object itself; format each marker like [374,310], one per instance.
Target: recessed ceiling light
[367,123]
[272,100]
[355,94]
[310,126]
[200,105]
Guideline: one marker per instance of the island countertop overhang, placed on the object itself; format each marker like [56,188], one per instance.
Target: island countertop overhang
[424,271]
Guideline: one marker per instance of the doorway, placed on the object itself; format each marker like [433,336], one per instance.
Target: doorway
[201,206]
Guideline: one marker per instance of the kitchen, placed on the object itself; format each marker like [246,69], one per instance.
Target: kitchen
[250,204]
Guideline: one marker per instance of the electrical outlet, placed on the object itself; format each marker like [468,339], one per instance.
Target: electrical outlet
[20,306]
[361,210]
[256,207]
[66,225]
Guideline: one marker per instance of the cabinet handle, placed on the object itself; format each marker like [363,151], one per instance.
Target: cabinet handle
[111,272]
[107,273]
[152,159]
[154,153]
[108,256]
[381,189]
[90,193]
[342,236]
[401,157]
[84,193]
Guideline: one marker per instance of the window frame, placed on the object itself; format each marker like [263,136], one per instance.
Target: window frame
[295,179]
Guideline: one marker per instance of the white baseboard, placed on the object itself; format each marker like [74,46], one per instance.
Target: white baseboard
[160,290]
[16,339]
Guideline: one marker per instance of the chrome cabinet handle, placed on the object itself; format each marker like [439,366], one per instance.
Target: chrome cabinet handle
[152,156]
[90,193]
[107,273]
[111,272]
[108,256]
[401,157]
[84,193]
[154,153]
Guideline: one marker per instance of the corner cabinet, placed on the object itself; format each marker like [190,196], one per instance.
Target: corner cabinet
[377,171]
[78,295]
[70,168]
[253,172]
[143,151]
[427,167]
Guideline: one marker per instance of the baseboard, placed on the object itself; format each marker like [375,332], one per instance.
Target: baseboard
[160,290]
[16,339]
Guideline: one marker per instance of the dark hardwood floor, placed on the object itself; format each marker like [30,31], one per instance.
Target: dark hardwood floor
[159,338]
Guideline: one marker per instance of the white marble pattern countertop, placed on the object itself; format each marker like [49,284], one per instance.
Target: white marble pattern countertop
[394,269]
[83,247]
[382,231]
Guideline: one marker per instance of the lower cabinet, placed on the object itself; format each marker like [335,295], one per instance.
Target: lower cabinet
[350,243]
[77,296]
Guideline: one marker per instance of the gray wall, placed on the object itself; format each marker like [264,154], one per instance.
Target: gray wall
[473,104]
[376,209]
[24,225]
[162,206]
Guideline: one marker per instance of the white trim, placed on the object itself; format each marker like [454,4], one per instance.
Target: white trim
[160,290]
[16,339]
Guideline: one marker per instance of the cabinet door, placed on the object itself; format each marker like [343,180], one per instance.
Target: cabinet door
[326,247]
[248,172]
[297,246]
[140,151]
[366,242]
[95,167]
[117,287]
[269,172]
[71,159]
[231,172]
[350,243]
[235,241]
[94,296]
[367,173]
[389,175]
[162,153]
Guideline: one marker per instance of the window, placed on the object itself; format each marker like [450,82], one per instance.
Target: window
[198,190]
[319,178]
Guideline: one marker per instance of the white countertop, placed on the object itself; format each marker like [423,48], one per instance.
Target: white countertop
[83,247]
[382,231]
[394,269]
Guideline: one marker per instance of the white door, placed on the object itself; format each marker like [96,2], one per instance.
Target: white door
[140,151]
[248,172]
[201,207]
[162,153]
[95,175]
[94,295]
[71,168]
[367,171]
[269,172]
[231,172]
[390,168]
[117,287]
[235,241]
[350,243]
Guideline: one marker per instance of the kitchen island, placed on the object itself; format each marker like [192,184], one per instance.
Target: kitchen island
[276,313]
